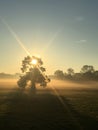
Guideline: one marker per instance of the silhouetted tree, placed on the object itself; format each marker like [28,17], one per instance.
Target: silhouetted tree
[87,72]
[96,75]
[59,74]
[87,68]
[70,71]
[77,76]
[33,71]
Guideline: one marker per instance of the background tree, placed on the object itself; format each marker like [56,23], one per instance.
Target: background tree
[87,72]
[70,71]
[59,74]
[96,75]
[87,68]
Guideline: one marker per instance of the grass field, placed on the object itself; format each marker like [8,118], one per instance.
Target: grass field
[62,105]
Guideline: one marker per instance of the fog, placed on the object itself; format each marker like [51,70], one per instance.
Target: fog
[69,84]
[60,84]
[8,83]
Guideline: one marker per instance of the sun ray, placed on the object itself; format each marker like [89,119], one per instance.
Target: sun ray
[52,40]
[15,36]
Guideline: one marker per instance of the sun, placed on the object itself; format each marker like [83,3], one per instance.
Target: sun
[34,61]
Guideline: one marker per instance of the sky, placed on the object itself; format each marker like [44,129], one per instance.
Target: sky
[64,33]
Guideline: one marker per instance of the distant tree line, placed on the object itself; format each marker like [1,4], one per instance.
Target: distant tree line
[5,75]
[86,73]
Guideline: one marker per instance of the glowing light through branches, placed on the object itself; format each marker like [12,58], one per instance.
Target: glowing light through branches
[34,61]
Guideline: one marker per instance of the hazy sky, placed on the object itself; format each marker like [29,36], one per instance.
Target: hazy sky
[63,32]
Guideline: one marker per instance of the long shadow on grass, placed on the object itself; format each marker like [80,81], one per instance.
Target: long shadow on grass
[38,110]
[86,122]
[34,110]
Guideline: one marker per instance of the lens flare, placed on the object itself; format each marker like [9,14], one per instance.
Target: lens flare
[15,36]
[53,38]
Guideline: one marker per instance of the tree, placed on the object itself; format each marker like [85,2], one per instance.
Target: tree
[87,72]
[96,75]
[87,68]
[77,76]
[70,71]
[59,74]
[33,71]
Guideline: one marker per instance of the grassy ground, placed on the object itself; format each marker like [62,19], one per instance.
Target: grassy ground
[66,106]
